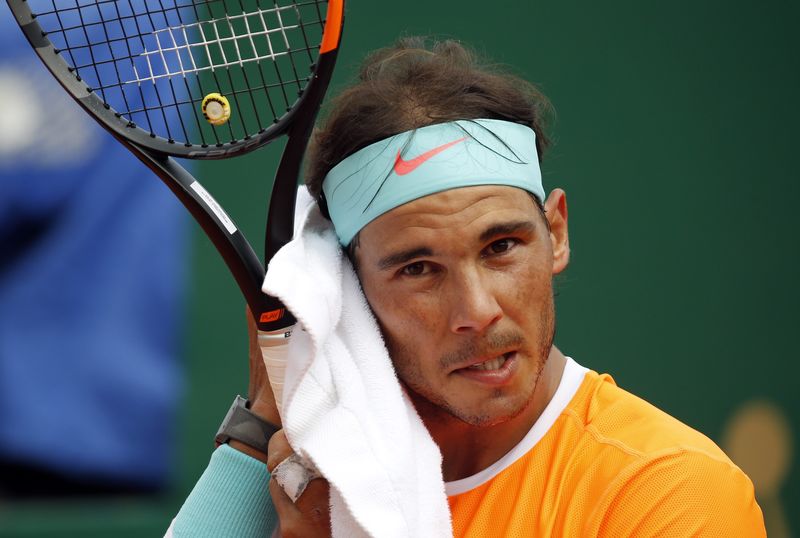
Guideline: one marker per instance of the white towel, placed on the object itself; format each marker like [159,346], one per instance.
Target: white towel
[343,407]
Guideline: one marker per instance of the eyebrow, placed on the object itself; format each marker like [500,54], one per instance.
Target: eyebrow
[505,228]
[402,257]
[508,228]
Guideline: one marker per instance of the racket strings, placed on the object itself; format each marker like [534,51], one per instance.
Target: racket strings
[153,63]
[242,56]
[167,124]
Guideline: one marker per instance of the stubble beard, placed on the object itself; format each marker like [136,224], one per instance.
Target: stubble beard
[437,407]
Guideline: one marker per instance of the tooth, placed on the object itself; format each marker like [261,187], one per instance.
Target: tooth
[491,364]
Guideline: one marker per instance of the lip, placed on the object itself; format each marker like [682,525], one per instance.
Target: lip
[491,377]
[478,360]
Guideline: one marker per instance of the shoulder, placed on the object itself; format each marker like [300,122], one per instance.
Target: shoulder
[663,476]
[614,416]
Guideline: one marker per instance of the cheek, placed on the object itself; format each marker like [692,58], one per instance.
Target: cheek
[406,329]
[397,314]
[410,318]
[530,286]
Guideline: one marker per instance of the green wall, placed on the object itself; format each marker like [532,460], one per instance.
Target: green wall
[673,141]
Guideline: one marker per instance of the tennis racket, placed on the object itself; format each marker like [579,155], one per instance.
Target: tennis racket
[200,79]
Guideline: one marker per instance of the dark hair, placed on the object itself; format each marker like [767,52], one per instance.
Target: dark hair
[415,83]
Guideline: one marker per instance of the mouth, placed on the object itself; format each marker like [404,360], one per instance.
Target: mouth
[495,363]
[497,371]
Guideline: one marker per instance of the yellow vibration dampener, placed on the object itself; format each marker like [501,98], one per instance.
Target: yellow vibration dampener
[216,109]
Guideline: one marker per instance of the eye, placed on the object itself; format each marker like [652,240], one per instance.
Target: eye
[415,269]
[500,246]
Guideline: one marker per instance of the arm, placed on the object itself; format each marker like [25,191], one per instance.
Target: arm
[229,499]
[232,498]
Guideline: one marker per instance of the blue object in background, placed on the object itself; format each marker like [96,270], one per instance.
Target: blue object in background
[92,265]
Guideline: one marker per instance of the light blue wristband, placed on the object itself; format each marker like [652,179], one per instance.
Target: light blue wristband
[231,499]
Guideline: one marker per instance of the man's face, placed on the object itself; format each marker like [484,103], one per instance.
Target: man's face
[460,282]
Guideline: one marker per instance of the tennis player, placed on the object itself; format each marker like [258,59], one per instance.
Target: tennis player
[458,271]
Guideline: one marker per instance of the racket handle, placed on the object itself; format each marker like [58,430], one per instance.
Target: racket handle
[275,352]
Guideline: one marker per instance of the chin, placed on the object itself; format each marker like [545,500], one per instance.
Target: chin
[498,409]
[487,420]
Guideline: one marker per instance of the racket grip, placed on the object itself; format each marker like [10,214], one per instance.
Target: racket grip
[275,352]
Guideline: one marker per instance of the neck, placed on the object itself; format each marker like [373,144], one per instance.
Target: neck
[468,449]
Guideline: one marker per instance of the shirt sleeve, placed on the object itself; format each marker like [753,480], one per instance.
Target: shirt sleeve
[680,494]
[231,499]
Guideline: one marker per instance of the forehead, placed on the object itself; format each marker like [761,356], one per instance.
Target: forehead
[454,214]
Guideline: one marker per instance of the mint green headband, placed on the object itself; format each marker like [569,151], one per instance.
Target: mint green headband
[431,159]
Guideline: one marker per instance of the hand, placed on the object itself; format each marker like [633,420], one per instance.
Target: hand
[259,391]
[309,516]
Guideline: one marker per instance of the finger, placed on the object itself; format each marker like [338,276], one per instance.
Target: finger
[309,516]
[314,503]
[278,449]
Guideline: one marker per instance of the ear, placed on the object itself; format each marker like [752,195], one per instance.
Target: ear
[555,208]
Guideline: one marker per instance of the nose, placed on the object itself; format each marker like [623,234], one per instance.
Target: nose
[474,306]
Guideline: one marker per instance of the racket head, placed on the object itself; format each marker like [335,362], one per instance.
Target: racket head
[200,79]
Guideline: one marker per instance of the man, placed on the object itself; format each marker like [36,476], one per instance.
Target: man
[455,247]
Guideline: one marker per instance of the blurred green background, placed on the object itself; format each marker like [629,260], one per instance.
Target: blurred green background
[675,142]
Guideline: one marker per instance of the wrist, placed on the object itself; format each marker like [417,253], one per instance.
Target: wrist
[266,410]
[246,449]
[246,430]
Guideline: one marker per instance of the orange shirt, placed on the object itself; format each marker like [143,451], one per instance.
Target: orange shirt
[602,462]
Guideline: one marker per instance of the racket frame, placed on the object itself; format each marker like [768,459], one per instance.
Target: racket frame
[157,152]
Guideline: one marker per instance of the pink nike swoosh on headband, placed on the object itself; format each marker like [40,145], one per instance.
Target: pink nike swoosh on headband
[403,167]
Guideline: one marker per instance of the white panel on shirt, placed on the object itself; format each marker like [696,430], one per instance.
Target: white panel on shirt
[571,380]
